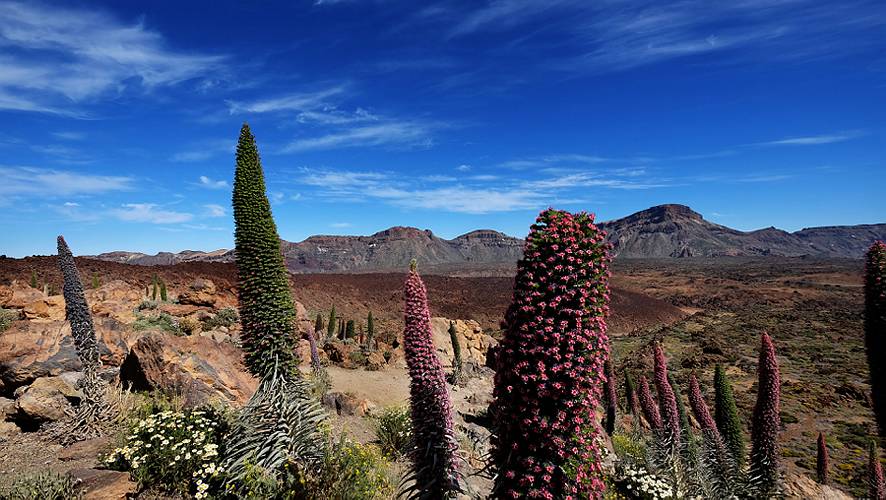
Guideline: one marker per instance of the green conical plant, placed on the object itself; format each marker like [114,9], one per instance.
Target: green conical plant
[267,312]
[155,288]
[95,283]
[330,326]
[456,351]
[318,324]
[33,279]
[163,296]
[349,329]
[631,394]
[726,416]
[370,330]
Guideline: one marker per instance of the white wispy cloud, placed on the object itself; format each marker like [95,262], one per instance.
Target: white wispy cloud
[812,140]
[214,210]
[68,135]
[53,58]
[463,168]
[403,134]
[208,183]
[205,150]
[149,213]
[341,224]
[300,101]
[42,182]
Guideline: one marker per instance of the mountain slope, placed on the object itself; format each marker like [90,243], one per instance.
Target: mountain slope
[661,231]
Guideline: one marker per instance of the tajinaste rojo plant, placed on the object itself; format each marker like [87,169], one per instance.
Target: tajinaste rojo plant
[549,377]
[822,462]
[666,397]
[631,395]
[648,405]
[94,410]
[434,473]
[876,484]
[764,464]
[875,327]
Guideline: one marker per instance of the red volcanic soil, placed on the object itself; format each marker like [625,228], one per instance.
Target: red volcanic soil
[483,299]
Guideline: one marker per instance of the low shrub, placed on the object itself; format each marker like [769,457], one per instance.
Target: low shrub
[173,451]
[162,321]
[189,326]
[393,431]
[225,317]
[146,304]
[358,357]
[41,486]
[7,316]
[348,470]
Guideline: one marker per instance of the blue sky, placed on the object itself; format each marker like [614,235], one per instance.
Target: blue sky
[119,118]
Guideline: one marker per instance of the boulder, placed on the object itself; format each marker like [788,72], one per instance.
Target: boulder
[201,292]
[474,343]
[201,368]
[180,310]
[46,400]
[8,429]
[7,409]
[18,295]
[801,486]
[89,449]
[375,361]
[115,299]
[346,403]
[100,484]
[33,349]
[50,308]
[303,350]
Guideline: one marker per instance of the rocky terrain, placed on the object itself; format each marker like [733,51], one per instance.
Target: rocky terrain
[661,231]
[704,311]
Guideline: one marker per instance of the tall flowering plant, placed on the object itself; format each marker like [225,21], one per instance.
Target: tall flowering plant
[666,397]
[875,326]
[435,470]
[647,404]
[766,420]
[550,373]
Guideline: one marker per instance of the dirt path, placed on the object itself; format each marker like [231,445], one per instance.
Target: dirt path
[384,388]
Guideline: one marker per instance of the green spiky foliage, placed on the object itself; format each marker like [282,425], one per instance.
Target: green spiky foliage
[33,279]
[163,295]
[631,394]
[370,330]
[95,283]
[350,332]
[330,325]
[456,351]
[278,426]
[267,312]
[875,327]
[318,324]
[726,416]
[155,288]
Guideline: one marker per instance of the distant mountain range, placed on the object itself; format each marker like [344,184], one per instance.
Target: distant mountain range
[662,231]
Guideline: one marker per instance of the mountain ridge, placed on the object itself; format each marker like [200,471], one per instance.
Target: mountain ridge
[663,231]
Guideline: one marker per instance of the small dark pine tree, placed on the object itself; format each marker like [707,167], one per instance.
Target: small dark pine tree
[95,283]
[330,325]
[434,468]
[370,330]
[631,394]
[349,329]
[163,295]
[823,460]
[456,351]
[155,289]
[666,397]
[549,378]
[766,422]
[267,312]
[33,279]
[611,397]
[876,484]
[875,327]
[318,323]
[647,404]
[726,416]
